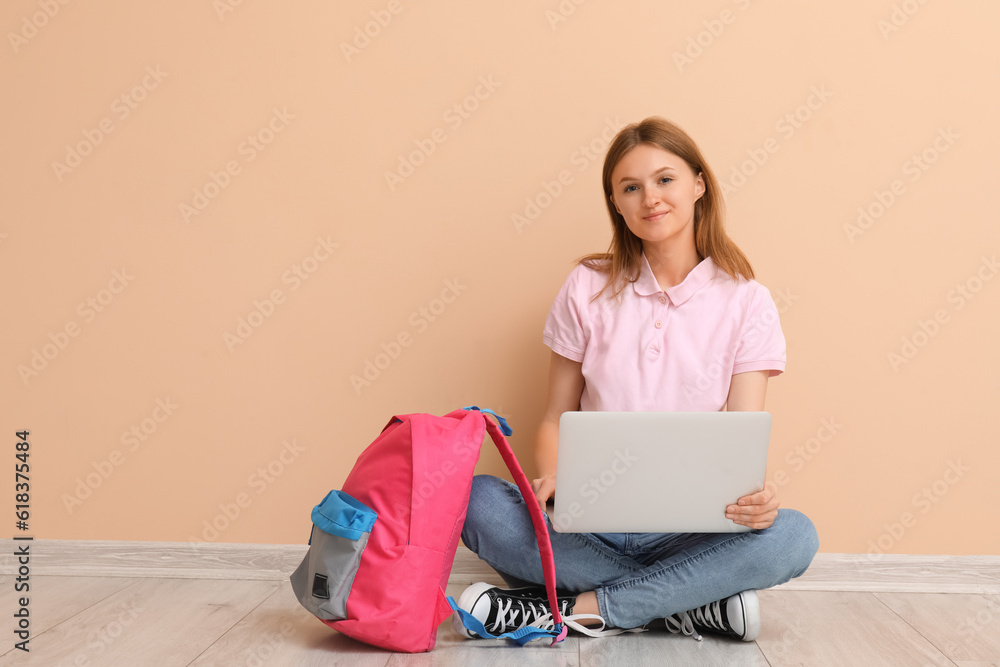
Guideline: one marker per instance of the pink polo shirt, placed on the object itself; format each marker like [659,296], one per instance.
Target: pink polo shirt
[665,350]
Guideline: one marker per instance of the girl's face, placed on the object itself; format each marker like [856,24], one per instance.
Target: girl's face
[655,192]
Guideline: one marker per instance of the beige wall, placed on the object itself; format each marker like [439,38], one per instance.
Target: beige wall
[842,99]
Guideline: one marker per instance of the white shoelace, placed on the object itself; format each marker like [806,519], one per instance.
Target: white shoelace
[507,615]
[680,623]
[709,615]
[546,623]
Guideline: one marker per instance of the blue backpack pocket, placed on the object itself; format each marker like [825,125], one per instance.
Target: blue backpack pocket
[339,534]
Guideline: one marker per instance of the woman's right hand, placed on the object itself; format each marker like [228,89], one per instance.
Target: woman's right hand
[544,488]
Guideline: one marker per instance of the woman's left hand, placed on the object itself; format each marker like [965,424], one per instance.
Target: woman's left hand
[757,510]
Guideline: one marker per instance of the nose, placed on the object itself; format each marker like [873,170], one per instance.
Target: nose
[651,198]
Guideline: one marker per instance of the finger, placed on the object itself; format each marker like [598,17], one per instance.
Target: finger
[758,522]
[748,511]
[745,510]
[753,509]
[754,504]
[759,498]
[544,493]
[754,525]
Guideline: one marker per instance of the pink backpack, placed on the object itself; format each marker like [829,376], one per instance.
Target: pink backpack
[381,549]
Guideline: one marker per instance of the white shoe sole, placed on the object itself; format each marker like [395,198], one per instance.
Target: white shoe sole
[467,601]
[751,615]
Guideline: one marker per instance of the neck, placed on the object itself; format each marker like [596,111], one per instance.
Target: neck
[671,264]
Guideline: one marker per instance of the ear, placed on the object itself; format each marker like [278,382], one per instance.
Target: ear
[612,198]
[699,186]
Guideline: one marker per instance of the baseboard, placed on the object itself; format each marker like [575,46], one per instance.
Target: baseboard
[180,560]
[185,560]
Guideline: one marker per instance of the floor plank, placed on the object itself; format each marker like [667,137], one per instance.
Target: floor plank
[903,573]
[115,621]
[966,628]
[454,650]
[173,560]
[281,632]
[161,622]
[52,600]
[845,628]
[658,646]
[909,573]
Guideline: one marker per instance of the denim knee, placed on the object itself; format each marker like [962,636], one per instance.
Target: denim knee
[487,495]
[801,539]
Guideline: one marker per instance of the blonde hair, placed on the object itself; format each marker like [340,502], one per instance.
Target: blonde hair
[621,261]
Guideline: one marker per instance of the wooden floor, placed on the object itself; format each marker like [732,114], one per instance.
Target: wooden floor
[88,621]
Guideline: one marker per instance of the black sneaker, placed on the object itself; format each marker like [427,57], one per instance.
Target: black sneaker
[505,610]
[737,616]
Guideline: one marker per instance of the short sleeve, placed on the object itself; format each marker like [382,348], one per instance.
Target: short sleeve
[762,343]
[565,330]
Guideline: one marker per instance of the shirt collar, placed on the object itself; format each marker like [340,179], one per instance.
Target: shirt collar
[700,275]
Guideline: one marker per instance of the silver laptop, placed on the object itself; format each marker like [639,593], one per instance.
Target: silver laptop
[657,472]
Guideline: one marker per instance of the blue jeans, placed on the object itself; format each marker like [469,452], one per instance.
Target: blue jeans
[638,577]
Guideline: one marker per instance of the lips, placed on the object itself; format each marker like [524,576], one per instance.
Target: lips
[656,215]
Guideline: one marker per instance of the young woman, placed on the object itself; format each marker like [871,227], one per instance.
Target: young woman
[646,327]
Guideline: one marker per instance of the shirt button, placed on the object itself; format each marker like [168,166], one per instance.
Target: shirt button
[663,299]
[658,324]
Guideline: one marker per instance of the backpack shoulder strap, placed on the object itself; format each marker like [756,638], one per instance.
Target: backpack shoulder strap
[537,517]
